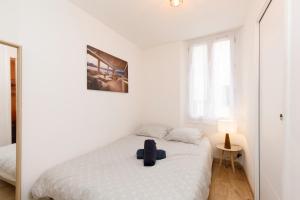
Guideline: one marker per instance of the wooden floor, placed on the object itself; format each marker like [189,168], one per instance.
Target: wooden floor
[7,191]
[227,185]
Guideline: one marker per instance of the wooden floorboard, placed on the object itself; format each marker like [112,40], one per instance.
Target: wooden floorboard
[7,191]
[227,185]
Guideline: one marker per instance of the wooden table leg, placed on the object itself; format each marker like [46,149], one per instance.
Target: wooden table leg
[221,159]
[232,162]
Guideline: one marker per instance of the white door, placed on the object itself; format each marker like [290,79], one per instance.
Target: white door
[272,94]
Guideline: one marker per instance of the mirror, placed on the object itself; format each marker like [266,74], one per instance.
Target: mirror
[8,120]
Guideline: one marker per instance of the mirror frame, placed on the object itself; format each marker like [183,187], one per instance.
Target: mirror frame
[19,117]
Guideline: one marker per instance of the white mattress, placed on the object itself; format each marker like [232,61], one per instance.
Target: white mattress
[8,163]
[114,173]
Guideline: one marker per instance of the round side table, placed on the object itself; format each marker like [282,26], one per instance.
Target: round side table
[234,149]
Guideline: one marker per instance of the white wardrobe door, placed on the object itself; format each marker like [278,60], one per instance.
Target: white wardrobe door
[272,92]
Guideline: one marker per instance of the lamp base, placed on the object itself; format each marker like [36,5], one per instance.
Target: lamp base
[227,144]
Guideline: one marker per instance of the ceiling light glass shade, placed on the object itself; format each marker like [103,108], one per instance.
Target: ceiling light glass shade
[176,3]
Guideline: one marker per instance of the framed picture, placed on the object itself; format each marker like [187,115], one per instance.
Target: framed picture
[106,72]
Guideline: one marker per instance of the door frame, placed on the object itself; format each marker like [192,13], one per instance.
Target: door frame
[261,14]
[19,116]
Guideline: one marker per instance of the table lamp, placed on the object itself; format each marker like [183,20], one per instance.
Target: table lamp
[228,127]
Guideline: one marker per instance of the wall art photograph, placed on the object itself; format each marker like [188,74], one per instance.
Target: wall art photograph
[106,72]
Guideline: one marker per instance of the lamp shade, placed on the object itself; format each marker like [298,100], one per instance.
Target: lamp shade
[227,126]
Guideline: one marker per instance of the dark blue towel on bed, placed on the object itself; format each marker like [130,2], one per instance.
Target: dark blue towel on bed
[161,154]
[150,153]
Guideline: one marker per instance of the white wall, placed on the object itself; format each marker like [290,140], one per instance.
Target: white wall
[249,116]
[9,20]
[161,84]
[61,118]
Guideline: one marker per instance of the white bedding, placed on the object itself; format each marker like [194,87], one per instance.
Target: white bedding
[8,163]
[114,173]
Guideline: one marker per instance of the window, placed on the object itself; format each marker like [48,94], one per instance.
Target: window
[211,95]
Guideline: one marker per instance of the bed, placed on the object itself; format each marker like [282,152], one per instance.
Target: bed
[113,173]
[8,163]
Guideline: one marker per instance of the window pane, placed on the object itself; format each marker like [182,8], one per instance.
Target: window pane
[198,80]
[222,79]
[211,94]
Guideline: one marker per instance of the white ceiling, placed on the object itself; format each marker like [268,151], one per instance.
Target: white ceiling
[153,22]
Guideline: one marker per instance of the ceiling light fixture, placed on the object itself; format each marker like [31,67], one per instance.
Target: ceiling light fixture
[176,3]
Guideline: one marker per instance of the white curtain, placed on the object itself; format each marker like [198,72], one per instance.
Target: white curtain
[211,79]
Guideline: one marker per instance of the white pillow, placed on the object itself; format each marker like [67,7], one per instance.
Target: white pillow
[154,130]
[186,135]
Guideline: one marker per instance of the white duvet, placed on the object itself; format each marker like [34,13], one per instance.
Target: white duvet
[114,173]
[8,163]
